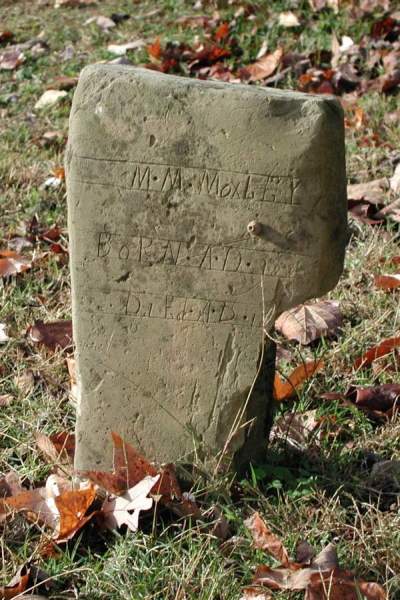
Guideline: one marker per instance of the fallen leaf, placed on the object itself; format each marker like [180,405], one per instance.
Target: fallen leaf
[74,392]
[116,510]
[11,59]
[264,66]
[288,19]
[121,49]
[340,584]
[6,36]
[72,507]
[296,429]
[12,263]
[50,97]
[17,585]
[130,468]
[387,282]
[373,191]
[63,82]
[154,50]
[25,382]
[284,389]
[3,333]
[384,347]
[308,322]
[58,449]
[52,335]
[395,180]
[255,593]
[105,23]
[6,400]
[391,210]
[264,539]
[10,485]
[73,3]
[222,32]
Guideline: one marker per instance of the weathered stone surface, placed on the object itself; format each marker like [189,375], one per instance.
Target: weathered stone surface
[170,290]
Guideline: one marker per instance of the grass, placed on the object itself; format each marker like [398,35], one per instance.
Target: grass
[320,497]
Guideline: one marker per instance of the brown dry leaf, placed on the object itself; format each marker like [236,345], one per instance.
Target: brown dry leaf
[391,210]
[340,584]
[296,429]
[73,3]
[384,347]
[25,382]
[284,389]
[130,468]
[11,59]
[6,399]
[72,507]
[58,449]
[17,585]
[255,593]
[12,263]
[264,539]
[387,282]
[116,510]
[63,82]
[265,66]
[10,485]
[74,392]
[372,191]
[308,322]
[53,335]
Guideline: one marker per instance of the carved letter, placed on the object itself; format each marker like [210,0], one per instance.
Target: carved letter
[104,245]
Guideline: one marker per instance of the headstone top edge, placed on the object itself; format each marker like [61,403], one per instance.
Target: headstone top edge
[151,75]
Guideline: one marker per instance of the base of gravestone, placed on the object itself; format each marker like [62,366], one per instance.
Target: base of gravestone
[259,413]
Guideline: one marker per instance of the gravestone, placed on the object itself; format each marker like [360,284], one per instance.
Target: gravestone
[198,212]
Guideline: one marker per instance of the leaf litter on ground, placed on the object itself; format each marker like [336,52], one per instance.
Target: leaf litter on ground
[321,578]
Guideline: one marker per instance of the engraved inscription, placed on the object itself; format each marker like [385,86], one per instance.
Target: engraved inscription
[149,251]
[204,182]
[144,305]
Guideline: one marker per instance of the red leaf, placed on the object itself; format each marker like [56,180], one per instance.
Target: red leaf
[385,347]
[286,389]
[130,467]
[17,585]
[154,50]
[222,32]
[387,282]
[72,506]
[12,263]
[53,335]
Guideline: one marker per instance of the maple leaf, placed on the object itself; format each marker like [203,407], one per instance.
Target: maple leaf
[117,510]
[308,322]
[284,389]
[130,467]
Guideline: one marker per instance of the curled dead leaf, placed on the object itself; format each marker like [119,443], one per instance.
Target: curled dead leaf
[384,347]
[12,263]
[264,539]
[265,66]
[286,388]
[53,335]
[308,322]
